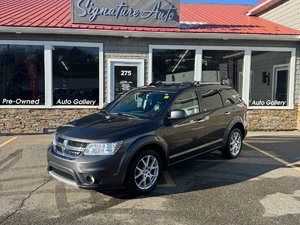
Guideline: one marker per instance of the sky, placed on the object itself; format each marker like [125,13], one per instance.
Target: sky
[244,2]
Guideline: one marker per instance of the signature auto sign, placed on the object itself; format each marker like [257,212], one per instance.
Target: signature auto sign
[158,13]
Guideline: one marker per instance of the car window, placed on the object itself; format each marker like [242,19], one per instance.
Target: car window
[188,102]
[230,97]
[145,104]
[211,100]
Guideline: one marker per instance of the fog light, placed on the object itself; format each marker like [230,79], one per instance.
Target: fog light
[90,179]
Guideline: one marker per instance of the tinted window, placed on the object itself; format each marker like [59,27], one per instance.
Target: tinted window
[230,97]
[187,101]
[269,78]
[173,65]
[224,66]
[144,104]
[75,75]
[211,100]
[22,80]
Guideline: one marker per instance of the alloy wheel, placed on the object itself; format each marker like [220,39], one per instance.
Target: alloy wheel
[235,143]
[146,172]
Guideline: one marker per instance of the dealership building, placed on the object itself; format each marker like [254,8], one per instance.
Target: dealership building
[61,60]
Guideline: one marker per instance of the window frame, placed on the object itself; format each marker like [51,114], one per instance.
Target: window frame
[48,72]
[111,62]
[246,67]
[277,68]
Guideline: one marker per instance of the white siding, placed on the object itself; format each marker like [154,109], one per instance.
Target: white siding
[286,14]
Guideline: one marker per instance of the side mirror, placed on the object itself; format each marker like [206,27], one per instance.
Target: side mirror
[177,114]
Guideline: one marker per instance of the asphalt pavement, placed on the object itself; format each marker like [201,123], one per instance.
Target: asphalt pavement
[262,186]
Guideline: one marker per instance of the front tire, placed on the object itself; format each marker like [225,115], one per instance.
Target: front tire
[234,144]
[144,172]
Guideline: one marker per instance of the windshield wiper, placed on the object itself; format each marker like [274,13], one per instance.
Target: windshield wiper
[128,115]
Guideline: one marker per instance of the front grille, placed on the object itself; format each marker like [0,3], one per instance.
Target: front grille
[67,148]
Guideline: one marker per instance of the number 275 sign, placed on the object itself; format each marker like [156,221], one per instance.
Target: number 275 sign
[126,73]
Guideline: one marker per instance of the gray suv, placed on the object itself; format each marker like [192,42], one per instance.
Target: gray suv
[137,136]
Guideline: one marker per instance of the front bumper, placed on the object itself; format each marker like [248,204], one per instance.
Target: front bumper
[107,171]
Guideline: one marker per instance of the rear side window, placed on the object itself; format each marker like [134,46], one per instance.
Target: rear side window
[230,97]
[188,102]
[211,100]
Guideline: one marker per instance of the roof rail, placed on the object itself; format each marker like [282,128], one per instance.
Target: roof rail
[208,82]
[184,84]
[165,83]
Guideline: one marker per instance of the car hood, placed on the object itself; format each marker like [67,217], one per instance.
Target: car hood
[104,127]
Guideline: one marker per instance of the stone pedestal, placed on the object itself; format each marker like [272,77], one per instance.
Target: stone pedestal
[274,119]
[298,117]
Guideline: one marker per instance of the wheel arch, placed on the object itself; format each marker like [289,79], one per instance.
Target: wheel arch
[148,142]
[235,123]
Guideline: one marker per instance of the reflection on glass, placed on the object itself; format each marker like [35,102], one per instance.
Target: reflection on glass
[223,66]
[22,75]
[125,79]
[141,103]
[269,78]
[75,76]
[188,102]
[173,65]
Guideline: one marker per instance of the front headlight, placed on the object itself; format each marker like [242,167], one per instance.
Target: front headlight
[54,139]
[103,148]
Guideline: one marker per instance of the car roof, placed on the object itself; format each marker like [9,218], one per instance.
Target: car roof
[179,87]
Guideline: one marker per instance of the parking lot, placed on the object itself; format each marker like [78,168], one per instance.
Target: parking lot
[262,186]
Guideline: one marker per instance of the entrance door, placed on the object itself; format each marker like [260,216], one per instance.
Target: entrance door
[125,74]
[281,74]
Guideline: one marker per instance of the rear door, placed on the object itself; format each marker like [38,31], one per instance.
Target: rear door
[233,104]
[215,124]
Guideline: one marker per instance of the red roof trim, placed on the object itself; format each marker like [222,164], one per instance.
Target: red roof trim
[195,18]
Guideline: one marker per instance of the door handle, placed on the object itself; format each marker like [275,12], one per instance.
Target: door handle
[203,120]
[227,113]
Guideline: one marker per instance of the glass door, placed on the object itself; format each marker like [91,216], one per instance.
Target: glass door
[125,75]
[281,74]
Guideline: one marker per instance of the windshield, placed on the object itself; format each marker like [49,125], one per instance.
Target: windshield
[141,103]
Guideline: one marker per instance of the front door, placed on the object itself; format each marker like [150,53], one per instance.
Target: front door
[185,136]
[280,88]
[125,74]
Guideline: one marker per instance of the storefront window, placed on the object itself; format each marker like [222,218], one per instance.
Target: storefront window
[173,65]
[269,78]
[75,76]
[223,66]
[22,79]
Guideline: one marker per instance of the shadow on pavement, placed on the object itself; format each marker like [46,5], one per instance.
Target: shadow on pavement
[211,170]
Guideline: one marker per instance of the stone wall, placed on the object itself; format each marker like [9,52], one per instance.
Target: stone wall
[26,121]
[274,120]
[29,121]
[298,118]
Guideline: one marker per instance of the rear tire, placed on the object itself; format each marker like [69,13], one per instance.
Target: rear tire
[234,144]
[143,172]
